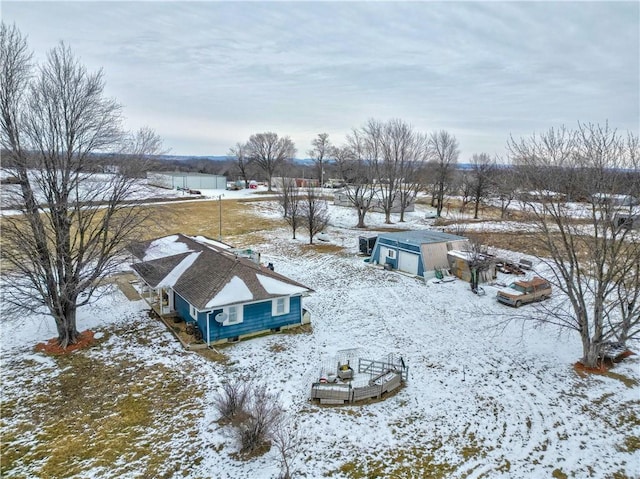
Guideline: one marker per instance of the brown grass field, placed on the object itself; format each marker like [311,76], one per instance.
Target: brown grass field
[203,218]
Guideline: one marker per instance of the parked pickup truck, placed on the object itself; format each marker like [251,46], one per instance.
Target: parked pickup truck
[522,292]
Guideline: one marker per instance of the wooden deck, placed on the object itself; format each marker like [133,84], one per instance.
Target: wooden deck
[373,379]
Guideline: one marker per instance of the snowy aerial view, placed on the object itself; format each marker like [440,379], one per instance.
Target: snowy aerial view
[484,397]
[346,240]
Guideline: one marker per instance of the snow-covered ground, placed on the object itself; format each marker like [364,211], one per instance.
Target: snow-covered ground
[488,400]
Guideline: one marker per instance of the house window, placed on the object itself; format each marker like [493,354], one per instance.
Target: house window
[391,254]
[234,315]
[193,312]
[280,306]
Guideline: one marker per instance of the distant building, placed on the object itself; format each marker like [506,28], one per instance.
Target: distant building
[614,200]
[186,181]
[278,182]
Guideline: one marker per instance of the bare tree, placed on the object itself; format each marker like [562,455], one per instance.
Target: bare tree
[264,414]
[412,171]
[592,258]
[444,154]
[269,152]
[482,168]
[73,227]
[479,261]
[394,152]
[286,439]
[394,138]
[320,152]
[463,184]
[315,212]
[505,186]
[291,204]
[241,160]
[355,169]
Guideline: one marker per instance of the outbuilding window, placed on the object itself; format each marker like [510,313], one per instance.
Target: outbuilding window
[193,311]
[391,253]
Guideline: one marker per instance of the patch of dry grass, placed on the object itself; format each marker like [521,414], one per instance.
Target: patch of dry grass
[203,218]
[98,413]
[323,248]
[411,461]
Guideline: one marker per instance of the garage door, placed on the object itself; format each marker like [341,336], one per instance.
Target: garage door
[408,262]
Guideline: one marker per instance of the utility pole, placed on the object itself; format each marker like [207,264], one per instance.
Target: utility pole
[220,217]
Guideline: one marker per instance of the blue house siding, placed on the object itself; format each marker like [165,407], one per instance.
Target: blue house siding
[182,307]
[256,317]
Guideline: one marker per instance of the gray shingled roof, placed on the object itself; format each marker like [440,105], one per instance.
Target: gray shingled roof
[210,272]
[156,270]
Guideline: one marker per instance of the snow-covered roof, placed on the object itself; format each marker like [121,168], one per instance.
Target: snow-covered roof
[276,286]
[173,276]
[208,275]
[212,242]
[235,291]
[465,255]
[163,247]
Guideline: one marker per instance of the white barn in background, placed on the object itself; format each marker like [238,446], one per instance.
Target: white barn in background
[182,180]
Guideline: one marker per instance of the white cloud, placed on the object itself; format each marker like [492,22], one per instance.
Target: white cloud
[209,74]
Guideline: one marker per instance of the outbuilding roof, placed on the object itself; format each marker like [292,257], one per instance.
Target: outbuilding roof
[207,274]
[421,237]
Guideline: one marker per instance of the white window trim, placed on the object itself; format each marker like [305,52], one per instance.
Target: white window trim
[391,253]
[239,309]
[274,306]
[193,311]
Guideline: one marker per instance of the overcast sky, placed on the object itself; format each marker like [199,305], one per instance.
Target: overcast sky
[206,75]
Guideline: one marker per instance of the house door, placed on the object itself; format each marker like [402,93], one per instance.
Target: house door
[166,300]
[387,255]
[408,262]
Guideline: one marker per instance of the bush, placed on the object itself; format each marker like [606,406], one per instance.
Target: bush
[231,401]
[263,416]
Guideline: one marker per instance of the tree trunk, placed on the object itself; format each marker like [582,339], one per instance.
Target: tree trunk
[474,279]
[361,215]
[66,325]
[591,352]
[387,217]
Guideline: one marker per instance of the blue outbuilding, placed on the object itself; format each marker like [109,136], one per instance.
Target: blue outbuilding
[416,252]
[226,295]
